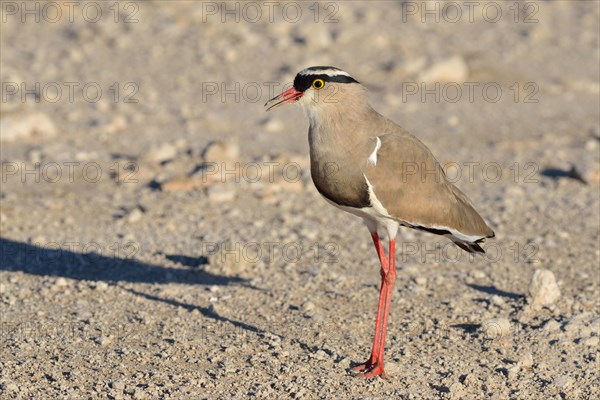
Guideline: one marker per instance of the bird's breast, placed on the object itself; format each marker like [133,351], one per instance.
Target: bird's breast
[339,180]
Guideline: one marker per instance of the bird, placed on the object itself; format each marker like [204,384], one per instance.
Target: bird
[365,164]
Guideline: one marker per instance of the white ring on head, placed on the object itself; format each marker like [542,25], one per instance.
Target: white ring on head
[329,71]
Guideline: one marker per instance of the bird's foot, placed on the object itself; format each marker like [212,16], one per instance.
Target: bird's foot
[362,367]
[370,369]
[366,366]
[375,370]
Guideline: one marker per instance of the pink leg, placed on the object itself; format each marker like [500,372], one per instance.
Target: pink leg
[390,278]
[375,352]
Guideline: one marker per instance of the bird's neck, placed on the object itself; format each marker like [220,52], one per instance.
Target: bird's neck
[341,129]
[343,141]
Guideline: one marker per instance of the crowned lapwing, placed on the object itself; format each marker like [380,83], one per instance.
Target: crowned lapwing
[365,164]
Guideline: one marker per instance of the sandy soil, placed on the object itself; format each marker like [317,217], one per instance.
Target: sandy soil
[131,268]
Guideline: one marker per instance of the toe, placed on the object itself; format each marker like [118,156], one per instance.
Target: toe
[377,370]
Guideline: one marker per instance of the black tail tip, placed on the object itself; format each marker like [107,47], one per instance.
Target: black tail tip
[470,247]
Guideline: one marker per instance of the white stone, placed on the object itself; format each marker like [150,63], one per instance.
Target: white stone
[61,282]
[421,281]
[543,289]
[23,126]
[496,328]
[221,152]
[551,326]
[103,341]
[274,126]
[591,341]
[513,372]
[453,69]
[135,215]
[562,382]
[526,361]
[221,193]
[164,152]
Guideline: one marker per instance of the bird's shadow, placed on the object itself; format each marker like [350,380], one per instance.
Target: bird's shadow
[58,262]
[193,262]
[51,260]
[207,312]
[119,268]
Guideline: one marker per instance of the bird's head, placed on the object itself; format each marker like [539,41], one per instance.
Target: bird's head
[320,88]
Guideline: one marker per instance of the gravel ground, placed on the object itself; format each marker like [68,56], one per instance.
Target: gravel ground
[162,238]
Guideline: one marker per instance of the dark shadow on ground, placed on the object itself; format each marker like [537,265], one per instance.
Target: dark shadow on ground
[48,261]
[208,312]
[440,388]
[193,262]
[205,311]
[494,291]
[557,173]
[467,328]
[36,260]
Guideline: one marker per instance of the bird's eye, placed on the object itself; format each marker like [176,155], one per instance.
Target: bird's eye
[318,84]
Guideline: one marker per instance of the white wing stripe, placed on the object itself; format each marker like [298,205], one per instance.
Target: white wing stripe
[373,157]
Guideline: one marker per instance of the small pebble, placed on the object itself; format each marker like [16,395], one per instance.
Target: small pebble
[513,372]
[595,325]
[591,341]
[453,69]
[497,300]
[477,274]
[551,326]
[222,153]
[526,361]
[139,394]
[391,368]
[496,328]
[61,282]
[220,193]
[117,384]
[308,306]
[20,126]
[562,382]
[103,341]
[344,363]
[421,281]
[135,215]
[11,387]
[162,153]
